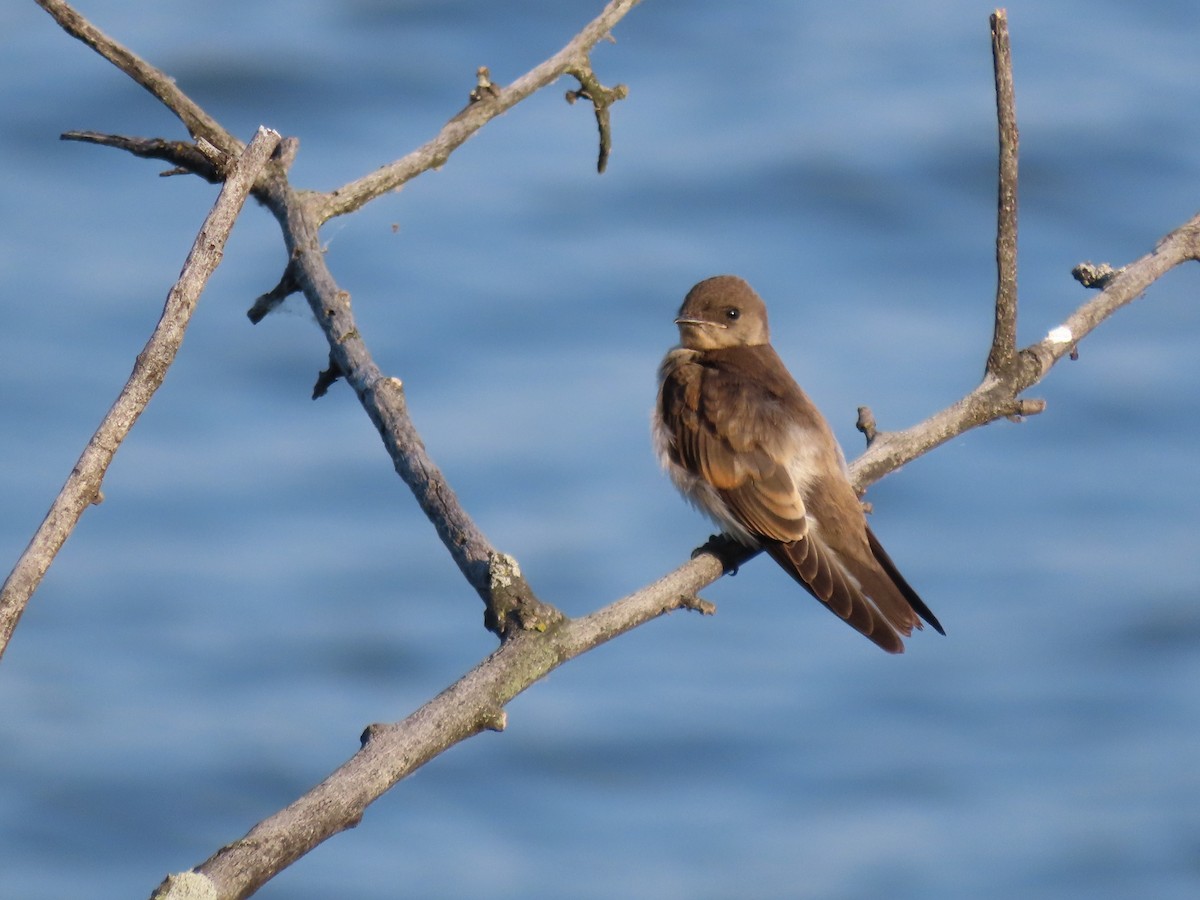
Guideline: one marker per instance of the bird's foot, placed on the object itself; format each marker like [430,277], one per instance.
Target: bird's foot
[730,552]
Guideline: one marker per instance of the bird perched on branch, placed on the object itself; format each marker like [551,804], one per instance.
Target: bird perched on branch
[746,445]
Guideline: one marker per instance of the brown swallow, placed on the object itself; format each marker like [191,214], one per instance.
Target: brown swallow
[746,445]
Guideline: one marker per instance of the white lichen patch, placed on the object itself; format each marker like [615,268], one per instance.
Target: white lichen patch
[503,570]
[1060,335]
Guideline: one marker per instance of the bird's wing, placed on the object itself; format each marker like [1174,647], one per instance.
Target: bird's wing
[725,434]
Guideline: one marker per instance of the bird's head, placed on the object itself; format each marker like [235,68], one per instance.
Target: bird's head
[721,312]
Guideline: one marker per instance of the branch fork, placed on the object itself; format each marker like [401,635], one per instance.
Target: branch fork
[601,98]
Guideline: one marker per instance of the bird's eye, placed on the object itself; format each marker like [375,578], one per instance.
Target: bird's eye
[732,313]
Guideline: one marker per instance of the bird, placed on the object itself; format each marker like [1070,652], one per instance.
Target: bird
[744,444]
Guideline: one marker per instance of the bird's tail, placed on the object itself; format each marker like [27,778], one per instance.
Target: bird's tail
[822,577]
[905,588]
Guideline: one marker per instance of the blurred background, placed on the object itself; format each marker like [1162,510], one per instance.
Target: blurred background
[259,585]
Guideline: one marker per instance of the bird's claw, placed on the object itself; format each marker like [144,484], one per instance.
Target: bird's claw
[724,548]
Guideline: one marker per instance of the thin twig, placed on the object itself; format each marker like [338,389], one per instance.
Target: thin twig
[266,303]
[1004,337]
[83,485]
[601,98]
[572,58]
[186,157]
[199,124]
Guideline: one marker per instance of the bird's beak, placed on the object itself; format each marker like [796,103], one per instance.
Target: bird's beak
[683,320]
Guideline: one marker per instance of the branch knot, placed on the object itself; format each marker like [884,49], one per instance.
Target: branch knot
[512,606]
[1095,275]
[484,88]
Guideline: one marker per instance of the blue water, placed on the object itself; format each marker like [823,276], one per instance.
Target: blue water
[258,585]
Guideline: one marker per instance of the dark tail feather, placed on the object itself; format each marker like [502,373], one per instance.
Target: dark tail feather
[910,595]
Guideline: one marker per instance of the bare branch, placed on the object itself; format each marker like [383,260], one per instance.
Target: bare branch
[998,397]
[391,752]
[1004,336]
[198,123]
[83,484]
[573,58]
[1121,287]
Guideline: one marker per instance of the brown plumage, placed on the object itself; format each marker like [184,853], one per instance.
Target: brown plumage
[746,445]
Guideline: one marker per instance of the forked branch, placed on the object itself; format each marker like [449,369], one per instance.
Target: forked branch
[83,485]
[486,105]
[200,125]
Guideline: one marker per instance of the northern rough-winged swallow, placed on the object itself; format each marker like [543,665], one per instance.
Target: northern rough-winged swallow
[746,445]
